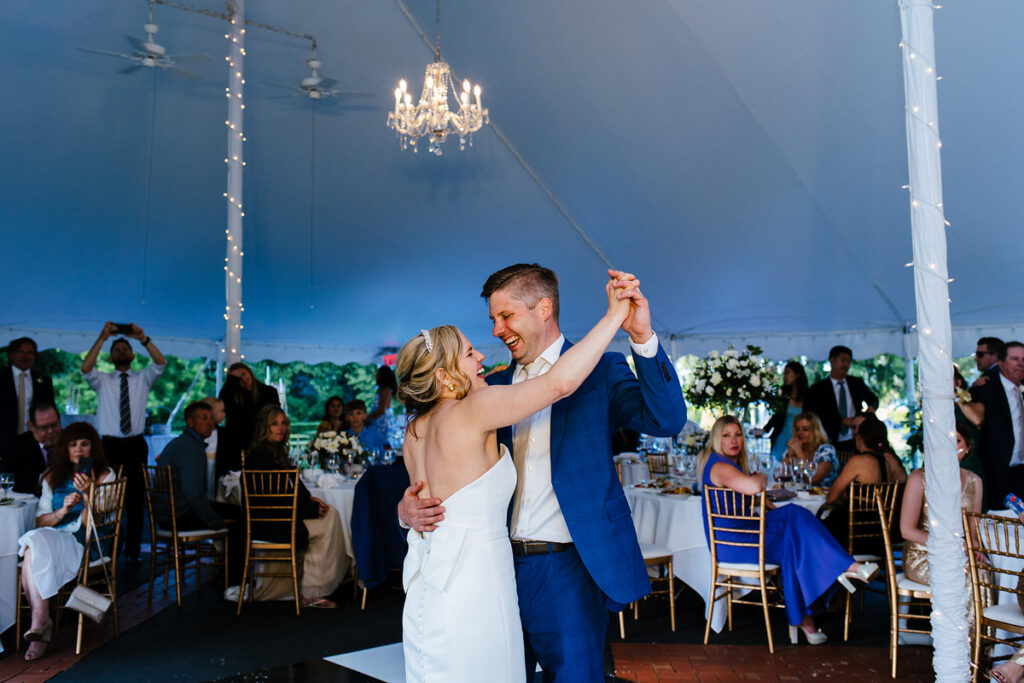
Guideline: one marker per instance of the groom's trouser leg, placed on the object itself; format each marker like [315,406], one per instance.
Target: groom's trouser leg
[564,617]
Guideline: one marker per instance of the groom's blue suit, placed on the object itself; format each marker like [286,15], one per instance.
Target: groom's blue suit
[592,502]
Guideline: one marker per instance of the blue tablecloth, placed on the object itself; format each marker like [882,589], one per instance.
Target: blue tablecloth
[377,540]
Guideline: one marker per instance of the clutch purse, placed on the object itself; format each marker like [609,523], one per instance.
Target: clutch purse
[88,602]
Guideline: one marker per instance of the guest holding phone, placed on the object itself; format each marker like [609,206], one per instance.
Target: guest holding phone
[52,551]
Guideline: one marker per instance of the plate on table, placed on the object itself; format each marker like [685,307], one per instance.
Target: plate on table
[11,502]
[778,495]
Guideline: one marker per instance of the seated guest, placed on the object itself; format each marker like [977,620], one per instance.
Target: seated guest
[866,466]
[894,469]
[355,413]
[810,560]
[914,517]
[53,550]
[810,443]
[27,454]
[334,416]
[186,456]
[319,534]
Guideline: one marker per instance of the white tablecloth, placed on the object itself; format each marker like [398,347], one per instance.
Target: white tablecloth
[633,470]
[340,499]
[676,523]
[15,520]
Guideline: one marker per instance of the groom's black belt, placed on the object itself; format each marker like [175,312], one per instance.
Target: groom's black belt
[537,547]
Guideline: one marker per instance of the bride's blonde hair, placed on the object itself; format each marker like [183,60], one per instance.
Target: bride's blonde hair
[418,361]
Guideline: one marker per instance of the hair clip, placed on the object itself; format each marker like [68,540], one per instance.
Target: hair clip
[426,338]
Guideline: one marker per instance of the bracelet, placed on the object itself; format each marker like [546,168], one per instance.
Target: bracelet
[145,342]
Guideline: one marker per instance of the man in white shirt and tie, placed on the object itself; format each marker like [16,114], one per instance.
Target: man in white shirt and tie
[838,398]
[20,385]
[1001,442]
[121,412]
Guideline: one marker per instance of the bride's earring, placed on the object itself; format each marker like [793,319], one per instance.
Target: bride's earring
[451,386]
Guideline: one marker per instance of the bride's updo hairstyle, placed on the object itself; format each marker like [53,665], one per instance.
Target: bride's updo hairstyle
[418,387]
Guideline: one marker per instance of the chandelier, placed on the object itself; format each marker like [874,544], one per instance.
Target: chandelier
[431,116]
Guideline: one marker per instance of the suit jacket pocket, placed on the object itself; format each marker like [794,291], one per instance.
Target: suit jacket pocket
[617,508]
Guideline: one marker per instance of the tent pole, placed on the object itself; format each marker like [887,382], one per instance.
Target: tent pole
[931,283]
[235,164]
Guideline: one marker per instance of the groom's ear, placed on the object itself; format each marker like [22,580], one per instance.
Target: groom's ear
[545,308]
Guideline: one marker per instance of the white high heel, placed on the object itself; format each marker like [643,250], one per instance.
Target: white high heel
[816,638]
[866,572]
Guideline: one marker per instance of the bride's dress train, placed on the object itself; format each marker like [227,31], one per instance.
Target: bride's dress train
[461,616]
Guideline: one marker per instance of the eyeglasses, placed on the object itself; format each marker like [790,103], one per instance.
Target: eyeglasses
[979,354]
[51,427]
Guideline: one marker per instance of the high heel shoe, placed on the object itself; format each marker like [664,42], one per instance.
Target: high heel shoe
[42,634]
[866,572]
[816,638]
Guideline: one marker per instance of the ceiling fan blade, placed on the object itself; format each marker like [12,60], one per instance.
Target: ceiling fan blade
[105,52]
[181,72]
[355,93]
[190,57]
[298,91]
[130,69]
[326,83]
[137,43]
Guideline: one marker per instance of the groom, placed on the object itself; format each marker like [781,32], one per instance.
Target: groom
[575,547]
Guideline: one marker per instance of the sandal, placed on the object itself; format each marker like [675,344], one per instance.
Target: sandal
[36,650]
[39,635]
[319,603]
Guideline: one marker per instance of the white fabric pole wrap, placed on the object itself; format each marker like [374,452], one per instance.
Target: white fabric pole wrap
[235,163]
[946,557]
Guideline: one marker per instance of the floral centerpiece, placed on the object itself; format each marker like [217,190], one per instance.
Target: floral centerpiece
[730,381]
[326,444]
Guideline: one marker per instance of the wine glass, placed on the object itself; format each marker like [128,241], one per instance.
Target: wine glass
[6,483]
[334,464]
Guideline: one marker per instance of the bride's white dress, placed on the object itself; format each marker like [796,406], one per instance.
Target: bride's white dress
[461,616]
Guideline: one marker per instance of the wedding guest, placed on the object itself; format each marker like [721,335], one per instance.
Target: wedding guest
[52,551]
[186,456]
[355,415]
[809,443]
[894,468]
[986,357]
[838,397]
[791,400]
[217,442]
[866,466]
[121,411]
[20,385]
[243,397]
[381,417]
[334,416]
[999,400]
[27,456]
[319,535]
[972,415]
[792,535]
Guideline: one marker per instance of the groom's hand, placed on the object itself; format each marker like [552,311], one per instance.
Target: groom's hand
[638,323]
[419,514]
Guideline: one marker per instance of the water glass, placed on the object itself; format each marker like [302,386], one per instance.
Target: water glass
[6,483]
[334,463]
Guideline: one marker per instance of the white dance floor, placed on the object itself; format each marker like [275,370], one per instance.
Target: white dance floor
[385,663]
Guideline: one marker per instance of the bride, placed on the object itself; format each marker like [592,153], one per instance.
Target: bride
[461,615]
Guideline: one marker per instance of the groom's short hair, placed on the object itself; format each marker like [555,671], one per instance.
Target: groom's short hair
[528,282]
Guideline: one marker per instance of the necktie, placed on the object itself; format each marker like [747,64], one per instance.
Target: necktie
[126,408]
[843,407]
[21,403]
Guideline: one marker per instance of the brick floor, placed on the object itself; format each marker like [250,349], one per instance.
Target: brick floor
[654,663]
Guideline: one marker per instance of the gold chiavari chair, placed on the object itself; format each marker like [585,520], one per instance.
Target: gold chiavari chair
[865,541]
[843,456]
[737,520]
[909,601]
[270,497]
[177,549]
[999,539]
[657,463]
[661,558]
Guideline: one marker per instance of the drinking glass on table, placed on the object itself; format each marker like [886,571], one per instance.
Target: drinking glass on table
[334,464]
[6,484]
[784,473]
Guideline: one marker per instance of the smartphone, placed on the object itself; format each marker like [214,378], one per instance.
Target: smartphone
[123,328]
[85,465]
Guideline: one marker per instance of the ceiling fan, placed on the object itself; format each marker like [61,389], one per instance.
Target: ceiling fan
[150,53]
[316,87]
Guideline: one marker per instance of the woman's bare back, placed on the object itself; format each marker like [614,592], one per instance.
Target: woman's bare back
[446,451]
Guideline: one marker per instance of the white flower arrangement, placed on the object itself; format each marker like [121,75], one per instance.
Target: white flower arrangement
[731,380]
[346,445]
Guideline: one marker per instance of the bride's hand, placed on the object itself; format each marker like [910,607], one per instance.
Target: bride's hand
[638,321]
[618,301]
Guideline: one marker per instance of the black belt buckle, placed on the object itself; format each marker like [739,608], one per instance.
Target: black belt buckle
[524,548]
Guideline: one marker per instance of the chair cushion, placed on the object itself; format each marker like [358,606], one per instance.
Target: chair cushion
[97,562]
[905,584]
[194,533]
[868,558]
[724,567]
[1008,613]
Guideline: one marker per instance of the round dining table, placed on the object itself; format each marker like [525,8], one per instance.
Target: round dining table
[16,518]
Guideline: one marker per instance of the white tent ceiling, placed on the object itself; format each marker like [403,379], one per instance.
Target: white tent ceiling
[745,159]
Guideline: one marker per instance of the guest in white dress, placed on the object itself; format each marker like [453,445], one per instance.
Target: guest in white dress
[52,551]
[461,617]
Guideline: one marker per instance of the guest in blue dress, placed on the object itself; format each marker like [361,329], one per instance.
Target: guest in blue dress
[810,560]
[809,442]
[791,401]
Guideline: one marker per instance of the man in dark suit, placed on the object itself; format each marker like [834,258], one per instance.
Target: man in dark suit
[28,453]
[838,398]
[986,357]
[575,546]
[1001,441]
[20,385]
